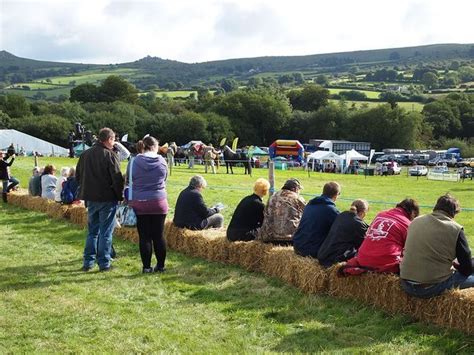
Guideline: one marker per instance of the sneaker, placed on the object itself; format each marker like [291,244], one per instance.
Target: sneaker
[159,269]
[106,269]
[86,268]
[147,270]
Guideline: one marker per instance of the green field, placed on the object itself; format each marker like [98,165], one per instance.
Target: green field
[93,76]
[369,94]
[37,86]
[381,192]
[61,90]
[177,93]
[409,106]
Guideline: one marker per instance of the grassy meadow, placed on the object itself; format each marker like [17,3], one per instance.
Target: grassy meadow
[48,306]
[368,93]
[381,192]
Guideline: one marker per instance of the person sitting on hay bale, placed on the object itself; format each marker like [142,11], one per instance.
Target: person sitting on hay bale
[282,214]
[318,217]
[382,248]
[34,185]
[70,189]
[191,212]
[59,184]
[48,182]
[434,241]
[345,236]
[9,182]
[248,216]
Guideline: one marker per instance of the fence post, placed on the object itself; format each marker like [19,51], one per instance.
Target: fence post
[271,176]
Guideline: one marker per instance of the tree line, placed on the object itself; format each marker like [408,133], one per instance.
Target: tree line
[257,115]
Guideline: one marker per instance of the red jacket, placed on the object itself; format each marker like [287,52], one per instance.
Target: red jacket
[382,248]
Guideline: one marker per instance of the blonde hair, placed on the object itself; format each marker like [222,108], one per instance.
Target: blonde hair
[359,206]
[261,186]
[65,171]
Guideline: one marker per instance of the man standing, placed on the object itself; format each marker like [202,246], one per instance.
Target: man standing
[318,217]
[101,186]
[434,242]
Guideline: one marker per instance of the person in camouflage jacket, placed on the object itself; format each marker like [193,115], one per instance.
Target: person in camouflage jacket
[282,214]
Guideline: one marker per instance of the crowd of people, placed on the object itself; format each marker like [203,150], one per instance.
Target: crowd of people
[430,252]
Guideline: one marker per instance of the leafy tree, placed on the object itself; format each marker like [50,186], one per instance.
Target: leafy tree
[391,97]
[454,65]
[14,105]
[4,120]
[394,56]
[466,73]
[256,116]
[299,78]
[451,79]
[286,79]
[51,128]
[187,126]
[116,88]
[218,127]
[229,84]
[85,93]
[255,81]
[443,118]
[321,79]
[430,80]
[353,95]
[311,98]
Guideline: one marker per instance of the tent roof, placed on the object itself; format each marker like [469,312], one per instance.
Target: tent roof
[257,151]
[323,155]
[80,147]
[29,143]
[354,155]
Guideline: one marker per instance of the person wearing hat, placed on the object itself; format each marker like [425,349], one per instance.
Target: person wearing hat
[282,214]
[317,219]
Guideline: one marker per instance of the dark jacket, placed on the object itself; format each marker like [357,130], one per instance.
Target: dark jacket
[318,217]
[247,216]
[4,168]
[344,238]
[98,175]
[191,211]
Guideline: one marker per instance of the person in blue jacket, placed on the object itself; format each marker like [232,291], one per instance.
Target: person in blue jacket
[318,217]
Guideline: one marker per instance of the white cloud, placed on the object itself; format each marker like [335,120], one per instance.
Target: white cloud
[110,31]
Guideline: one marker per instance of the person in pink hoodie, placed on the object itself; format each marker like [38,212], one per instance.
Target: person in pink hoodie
[382,248]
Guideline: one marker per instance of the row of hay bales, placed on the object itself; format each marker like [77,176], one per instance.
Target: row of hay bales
[454,309]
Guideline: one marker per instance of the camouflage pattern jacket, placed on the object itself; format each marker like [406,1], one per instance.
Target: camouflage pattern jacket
[281,216]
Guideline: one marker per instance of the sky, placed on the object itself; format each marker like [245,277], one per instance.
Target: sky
[117,31]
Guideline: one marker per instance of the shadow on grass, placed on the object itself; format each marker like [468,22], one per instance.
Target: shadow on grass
[306,323]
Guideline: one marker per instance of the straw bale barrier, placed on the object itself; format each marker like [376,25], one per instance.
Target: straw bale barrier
[454,309]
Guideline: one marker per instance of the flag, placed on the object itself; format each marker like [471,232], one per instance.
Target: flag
[124,138]
[234,144]
[223,140]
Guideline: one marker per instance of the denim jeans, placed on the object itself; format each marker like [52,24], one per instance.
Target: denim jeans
[455,280]
[101,224]
[9,184]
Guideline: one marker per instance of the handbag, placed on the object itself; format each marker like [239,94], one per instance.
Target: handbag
[125,214]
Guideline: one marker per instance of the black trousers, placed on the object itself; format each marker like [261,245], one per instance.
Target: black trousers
[150,230]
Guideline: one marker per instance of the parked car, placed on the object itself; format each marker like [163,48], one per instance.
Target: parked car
[440,169]
[393,168]
[418,170]
[421,159]
[469,162]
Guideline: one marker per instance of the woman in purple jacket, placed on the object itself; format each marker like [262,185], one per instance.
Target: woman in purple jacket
[149,201]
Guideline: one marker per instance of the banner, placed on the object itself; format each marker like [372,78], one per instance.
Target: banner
[234,144]
[124,138]
[372,152]
[222,143]
[348,159]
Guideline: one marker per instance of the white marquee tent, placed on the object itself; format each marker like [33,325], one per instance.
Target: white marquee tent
[323,155]
[353,155]
[29,143]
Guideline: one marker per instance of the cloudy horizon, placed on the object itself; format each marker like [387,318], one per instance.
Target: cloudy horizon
[117,31]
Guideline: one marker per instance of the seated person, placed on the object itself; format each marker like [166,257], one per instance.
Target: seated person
[282,214]
[59,184]
[434,241]
[345,236]
[34,185]
[382,248]
[318,217]
[191,211]
[70,188]
[48,182]
[248,215]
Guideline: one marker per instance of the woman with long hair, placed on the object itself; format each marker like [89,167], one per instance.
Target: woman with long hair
[146,174]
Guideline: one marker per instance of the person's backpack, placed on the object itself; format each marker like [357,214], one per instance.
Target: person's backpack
[69,191]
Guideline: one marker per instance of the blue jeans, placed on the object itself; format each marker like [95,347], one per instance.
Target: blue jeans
[101,224]
[9,184]
[455,280]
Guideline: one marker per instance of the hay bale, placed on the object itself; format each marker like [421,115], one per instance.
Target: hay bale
[15,199]
[277,263]
[249,255]
[218,249]
[127,233]
[78,215]
[58,211]
[310,276]
[453,309]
